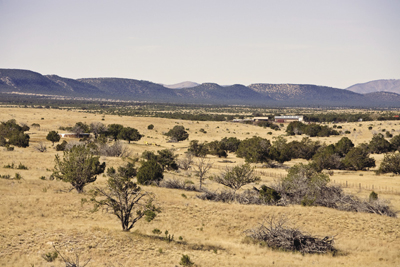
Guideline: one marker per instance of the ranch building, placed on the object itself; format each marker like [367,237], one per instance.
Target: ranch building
[282,119]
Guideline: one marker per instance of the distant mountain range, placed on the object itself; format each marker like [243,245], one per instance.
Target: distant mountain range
[376,86]
[382,93]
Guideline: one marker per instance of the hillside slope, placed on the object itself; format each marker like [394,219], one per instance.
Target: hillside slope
[130,89]
[25,81]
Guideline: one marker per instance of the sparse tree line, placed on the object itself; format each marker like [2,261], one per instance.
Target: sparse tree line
[349,117]
[114,131]
[312,130]
[342,156]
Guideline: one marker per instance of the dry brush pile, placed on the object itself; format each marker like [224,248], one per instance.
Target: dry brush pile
[276,234]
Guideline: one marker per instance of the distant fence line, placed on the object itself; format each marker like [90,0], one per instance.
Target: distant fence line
[360,186]
[45,129]
[346,184]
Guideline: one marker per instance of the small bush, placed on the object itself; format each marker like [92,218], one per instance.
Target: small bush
[62,146]
[115,150]
[169,238]
[8,166]
[156,231]
[373,196]
[269,195]
[22,167]
[50,257]
[185,261]
[150,127]
[41,147]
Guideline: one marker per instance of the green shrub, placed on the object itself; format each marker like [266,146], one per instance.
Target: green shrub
[185,261]
[150,127]
[19,139]
[169,238]
[50,257]
[178,133]
[269,195]
[149,172]
[390,163]
[156,231]
[22,167]
[373,196]
[61,147]
[53,137]
[9,166]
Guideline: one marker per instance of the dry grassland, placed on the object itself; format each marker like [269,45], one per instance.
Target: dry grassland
[38,213]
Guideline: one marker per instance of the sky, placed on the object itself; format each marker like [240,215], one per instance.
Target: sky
[334,43]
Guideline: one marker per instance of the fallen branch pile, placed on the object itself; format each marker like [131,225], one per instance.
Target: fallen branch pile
[276,235]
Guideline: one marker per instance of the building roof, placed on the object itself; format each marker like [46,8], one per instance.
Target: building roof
[288,117]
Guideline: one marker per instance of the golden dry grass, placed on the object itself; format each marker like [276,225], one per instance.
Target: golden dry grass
[36,214]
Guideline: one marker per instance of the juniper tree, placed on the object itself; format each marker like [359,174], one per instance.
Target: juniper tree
[53,137]
[178,133]
[129,134]
[78,167]
[127,200]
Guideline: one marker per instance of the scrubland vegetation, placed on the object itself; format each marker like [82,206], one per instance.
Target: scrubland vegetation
[153,190]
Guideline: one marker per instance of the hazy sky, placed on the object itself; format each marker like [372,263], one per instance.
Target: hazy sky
[335,42]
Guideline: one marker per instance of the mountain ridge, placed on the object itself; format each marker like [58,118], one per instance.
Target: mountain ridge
[29,82]
[387,85]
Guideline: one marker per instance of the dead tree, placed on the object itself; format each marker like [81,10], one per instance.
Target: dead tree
[69,262]
[237,177]
[202,166]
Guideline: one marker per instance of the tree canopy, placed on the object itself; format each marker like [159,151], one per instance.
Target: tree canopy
[178,133]
[78,167]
